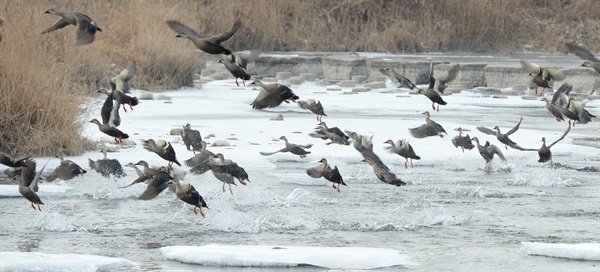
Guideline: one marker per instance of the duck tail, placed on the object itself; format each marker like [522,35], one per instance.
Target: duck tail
[134,101]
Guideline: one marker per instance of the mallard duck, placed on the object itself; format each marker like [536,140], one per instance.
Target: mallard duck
[211,45]
[295,149]
[272,95]
[121,81]
[107,167]
[578,107]
[591,60]
[392,74]
[191,137]
[487,152]
[66,170]
[162,148]
[326,172]
[225,170]
[188,194]
[542,77]
[383,173]
[28,186]
[157,180]
[404,149]
[503,137]
[430,128]
[544,151]
[86,27]
[553,109]
[236,65]
[462,141]
[314,107]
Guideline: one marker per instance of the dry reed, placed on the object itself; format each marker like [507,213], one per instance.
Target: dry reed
[45,80]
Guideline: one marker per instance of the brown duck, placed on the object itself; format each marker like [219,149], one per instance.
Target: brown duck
[591,60]
[28,186]
[86,27]
[404,149]
[211,45]
[430,128]
[325,171]
[188,194]
[162,148]
[295,149]
[503,137]
[272,95]
[487,152]
[462,141]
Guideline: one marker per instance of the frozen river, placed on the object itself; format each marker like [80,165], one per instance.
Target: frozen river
[450,216]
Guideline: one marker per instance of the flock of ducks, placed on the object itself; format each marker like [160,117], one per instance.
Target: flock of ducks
[270,96]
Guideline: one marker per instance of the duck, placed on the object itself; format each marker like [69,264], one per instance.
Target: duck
[162,148]
[237,66]
[335,130]
[191,138]
[225,170]
[188,194]
[325,171]
[561,96]
[404,81]
[10,161]
[433,95]
[544,151]
[503,137]
[361,142]
[383,173]
[121,81]
[542,77]
[66,170]
[578,107]
[590,59]
[121,98]
[110,120]
[462,141]
[147,173]
[295,149]
[325,134]
[86,27]
[553,109]
[137,170]
[28,185]
[212,45]
[107,167]
[272,95]
[404,149]
[446,77]
[430,128]
[313,106]
[487,152]
[199,162]
[111,131]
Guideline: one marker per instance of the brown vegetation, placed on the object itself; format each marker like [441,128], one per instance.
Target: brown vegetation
[44,79]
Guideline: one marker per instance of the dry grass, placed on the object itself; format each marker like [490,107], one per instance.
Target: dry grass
[45,79]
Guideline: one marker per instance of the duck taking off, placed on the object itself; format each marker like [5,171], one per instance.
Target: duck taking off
[392,74]
[107,167]
[325,171]
[86,27]
[462,141]
[66,170]
[188,194]
[487,152]
[314,107]
[295,149]
[544,152]
[503,137]
[191,137]
[590,59]
[162,148]
[404,149]
[272,95]
[542,77]
[430,128]
[28,185]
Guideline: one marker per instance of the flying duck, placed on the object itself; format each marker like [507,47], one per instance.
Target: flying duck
[404,149]
[86,27]
[430,128]
[295,149]
[162,148]
[107,167]
[191,137]
[28,185]
[314,107]
[325,171]
[503,137]
[272,95]
[212,45]
[591,60]
[462,141]
[66,170]
[487,152]
[188,194]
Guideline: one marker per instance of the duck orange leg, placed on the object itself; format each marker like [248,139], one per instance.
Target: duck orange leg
[170,165]
[130,106]
[406,164]
[223,187]
[201,213]
[536,87]
[236,82]
[32,206]
[124,109]
[195,212]
[39,207]
[231,191]
[433,106]
[411,164]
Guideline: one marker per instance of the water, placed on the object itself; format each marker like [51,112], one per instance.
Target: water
[450,216]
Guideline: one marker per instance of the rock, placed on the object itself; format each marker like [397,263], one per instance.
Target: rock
[333,89]
[276,117]
[360,89]
[344,67]
[146,96]
[295,80]
[218,143]
[176,131]
[505,76]
[379,79]
[347,83]
[211,135]
[359,79]
[283,75]
[376,85]
[529,97]
[500,96]
[162,97]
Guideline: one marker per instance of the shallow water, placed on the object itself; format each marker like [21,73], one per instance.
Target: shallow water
[450,216]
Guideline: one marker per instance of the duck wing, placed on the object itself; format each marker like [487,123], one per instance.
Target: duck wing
[179,27]
[423,131]
[218,39]
[581,52]
[514,129]
[315,172]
